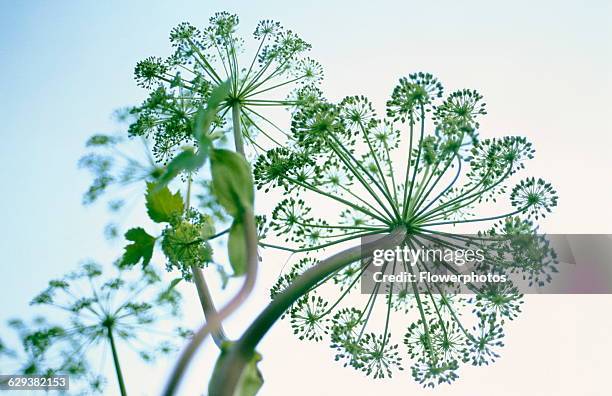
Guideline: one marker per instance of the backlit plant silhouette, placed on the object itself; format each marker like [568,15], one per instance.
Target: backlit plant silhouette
[342,175]
[203,59]
[171,121]
[345,156]
[100,314]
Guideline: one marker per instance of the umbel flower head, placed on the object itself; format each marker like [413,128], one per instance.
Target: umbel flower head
[111,166]
[278,74]
[118,166]
[34,337]
[425,170]
[96,316]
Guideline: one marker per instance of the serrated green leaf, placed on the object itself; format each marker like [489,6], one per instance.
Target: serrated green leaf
[142,248]
[236,247]
[232,183]
[162,205]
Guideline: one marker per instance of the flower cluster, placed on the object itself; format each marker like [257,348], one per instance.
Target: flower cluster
[343,159]
[344,174]
[99,313]
[205,58]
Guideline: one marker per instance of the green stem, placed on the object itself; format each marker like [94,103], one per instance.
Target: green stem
[317,247]
[237,131]
[243,350]
[255,83]
[208,306]
[475,220]
[276,86]
[422,315]
[247,75]
[420,186]
[468,194]
[422,195]
[213,323]
[347,157]
[348,289]
[407,177]
[342,227]
[443,192]
[260,129]
[336,198]
[204,63]
[386,332]
[111,339]
[390,169]
[416,163]
[386,190]
[369,205]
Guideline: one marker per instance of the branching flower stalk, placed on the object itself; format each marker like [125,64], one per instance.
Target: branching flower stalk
[185,239]
[186,81]
[238,201]
[345,155]
[243,351]
[206,58]
[102,312]
[342,158]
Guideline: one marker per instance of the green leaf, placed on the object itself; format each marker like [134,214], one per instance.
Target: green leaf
[174,283]
[162,205]
[190,160]
[232,183]
[250,380]
[236,247]
[205,117]
[142,248]
[187,160]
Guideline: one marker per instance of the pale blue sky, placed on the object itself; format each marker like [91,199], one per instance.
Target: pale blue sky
[66,65]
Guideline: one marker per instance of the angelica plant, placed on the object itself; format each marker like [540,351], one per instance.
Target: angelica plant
[207,71]
[185,238]
[183,121]
[203,59]
[415,176]
[95,315]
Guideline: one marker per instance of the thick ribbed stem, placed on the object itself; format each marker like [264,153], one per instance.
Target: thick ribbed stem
[240,353]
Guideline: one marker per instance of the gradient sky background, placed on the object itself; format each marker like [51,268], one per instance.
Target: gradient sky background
[544,68]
